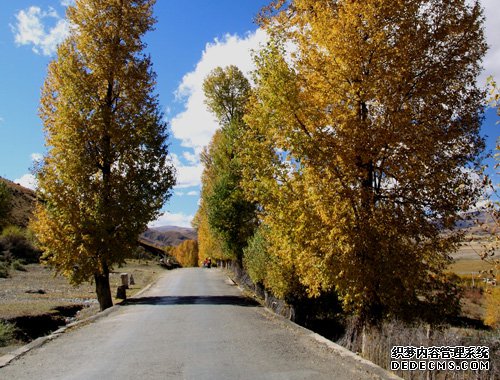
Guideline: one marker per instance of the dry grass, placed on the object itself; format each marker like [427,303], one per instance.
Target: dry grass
[57,292]
[473,301]
[19,297]
[378,343]
[473,304]
[468,266]
[144,272]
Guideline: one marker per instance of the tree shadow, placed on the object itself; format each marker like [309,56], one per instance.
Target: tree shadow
[192,300]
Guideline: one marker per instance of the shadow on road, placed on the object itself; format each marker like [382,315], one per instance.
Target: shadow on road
[192,300]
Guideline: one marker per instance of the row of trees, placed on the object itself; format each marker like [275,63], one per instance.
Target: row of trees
[346,166]
[186,253]
[226,218]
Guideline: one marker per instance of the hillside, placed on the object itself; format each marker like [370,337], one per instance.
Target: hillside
[23,203]
[476,223]
[169,235]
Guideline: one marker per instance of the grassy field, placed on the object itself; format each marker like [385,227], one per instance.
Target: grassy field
[468,265]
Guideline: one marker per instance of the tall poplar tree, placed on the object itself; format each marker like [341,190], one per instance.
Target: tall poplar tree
[361,139]
[106,173]
[230,216]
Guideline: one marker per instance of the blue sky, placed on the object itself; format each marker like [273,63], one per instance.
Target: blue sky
[191,38]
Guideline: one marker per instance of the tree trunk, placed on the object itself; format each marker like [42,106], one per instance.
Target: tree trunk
[103,290]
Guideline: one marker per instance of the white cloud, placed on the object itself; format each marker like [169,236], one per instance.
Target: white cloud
[172,219]
[67,3]
[27,180]
[187,175]
[192,193]
[31,30]
[195,125]
[492,28]
[190,157]
[35,157]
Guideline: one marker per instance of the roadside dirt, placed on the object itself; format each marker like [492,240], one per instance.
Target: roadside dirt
[38,302]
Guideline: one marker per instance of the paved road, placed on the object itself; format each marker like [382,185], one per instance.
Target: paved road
[192,324]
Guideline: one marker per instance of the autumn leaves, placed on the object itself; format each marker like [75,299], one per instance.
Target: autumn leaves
[351,151]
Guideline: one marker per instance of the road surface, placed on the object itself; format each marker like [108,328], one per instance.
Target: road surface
[192,324]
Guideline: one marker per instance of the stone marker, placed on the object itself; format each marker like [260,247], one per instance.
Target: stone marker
[121,292]
[131,280]
[124,277]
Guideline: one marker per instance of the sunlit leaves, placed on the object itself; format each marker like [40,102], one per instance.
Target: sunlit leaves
[378,107]
[106,173]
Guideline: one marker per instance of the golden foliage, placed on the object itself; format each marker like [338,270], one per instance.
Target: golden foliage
[492,317]
[106,173]
[357,141]
[186,253]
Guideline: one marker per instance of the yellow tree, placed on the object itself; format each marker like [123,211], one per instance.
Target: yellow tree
[361,139]
[186,253]
[106,173]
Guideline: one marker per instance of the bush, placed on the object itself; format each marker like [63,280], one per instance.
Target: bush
[7,333]
[256,256]
[5,203]
[18,265]
[4,270]
[141,254]
[20,244]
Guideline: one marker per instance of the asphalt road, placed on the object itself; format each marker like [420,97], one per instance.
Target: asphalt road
[192,324]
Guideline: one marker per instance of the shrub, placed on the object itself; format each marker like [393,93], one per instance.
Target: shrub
[7,333]
[256,256]
[141,254]
[5,203]
[4,270]
[18,265]
[20,244]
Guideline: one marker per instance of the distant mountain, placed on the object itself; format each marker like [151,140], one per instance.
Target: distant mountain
[23,203]
[169,235]
[473,223]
